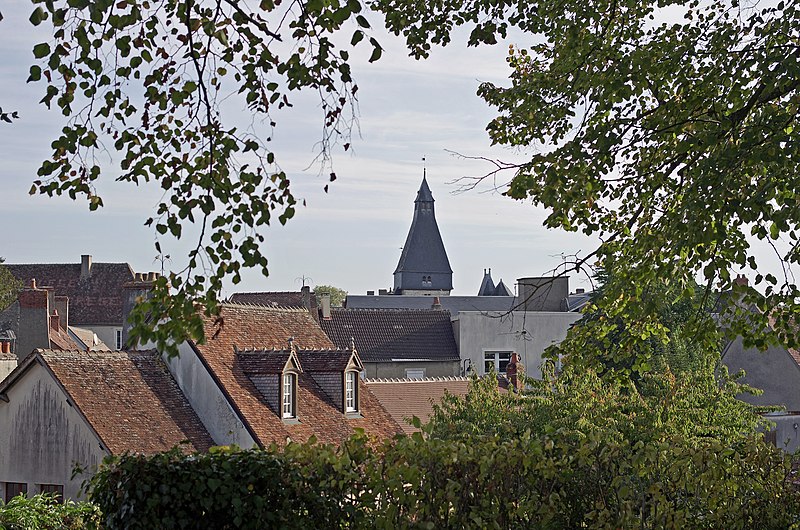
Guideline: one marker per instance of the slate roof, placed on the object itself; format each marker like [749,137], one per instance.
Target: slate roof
[95,301]
[487,284]
[453,304]
[129,398]
[502,290]
[383,335]
[256,327]
[405,398]
[424,250]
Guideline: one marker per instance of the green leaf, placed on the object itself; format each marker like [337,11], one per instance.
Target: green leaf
[41,50]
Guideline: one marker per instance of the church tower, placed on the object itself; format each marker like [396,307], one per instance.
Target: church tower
[423,268]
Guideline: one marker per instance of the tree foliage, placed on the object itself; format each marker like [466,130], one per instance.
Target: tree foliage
[337,295]
[9,286]
[667,129]
[147,79]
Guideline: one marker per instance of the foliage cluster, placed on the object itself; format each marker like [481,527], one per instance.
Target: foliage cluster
[485,482]
[338,295]
[44,512]
[9,287]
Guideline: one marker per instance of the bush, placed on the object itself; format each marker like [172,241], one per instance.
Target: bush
[44,512]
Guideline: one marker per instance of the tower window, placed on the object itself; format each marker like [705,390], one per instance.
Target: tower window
[289,402]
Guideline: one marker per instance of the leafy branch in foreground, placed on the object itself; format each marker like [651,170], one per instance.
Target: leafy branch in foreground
[668,129]
[149,79]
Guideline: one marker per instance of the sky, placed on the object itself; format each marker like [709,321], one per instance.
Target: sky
[349,237]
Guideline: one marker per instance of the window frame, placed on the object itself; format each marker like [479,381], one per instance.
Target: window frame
[289,390]
[351,392]
[415,370]
[58,489]
[118,339]
[20,487]
[496,360]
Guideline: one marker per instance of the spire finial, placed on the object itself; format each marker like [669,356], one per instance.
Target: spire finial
[424,168]
[291,345]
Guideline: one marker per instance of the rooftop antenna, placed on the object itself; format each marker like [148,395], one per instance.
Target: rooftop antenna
[304,279]
[162,258]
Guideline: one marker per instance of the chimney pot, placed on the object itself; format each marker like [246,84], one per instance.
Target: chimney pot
[580,291]
[33,283]
[86,266]
[741,279]
[437,303]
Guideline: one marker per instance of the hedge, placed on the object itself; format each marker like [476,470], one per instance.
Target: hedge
[413,482]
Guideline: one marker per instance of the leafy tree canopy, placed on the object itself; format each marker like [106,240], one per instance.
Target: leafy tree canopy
[147,79]
[665,128]
[9,286]
[337,295]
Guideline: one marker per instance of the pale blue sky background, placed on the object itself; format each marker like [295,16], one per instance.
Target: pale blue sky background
[350,237]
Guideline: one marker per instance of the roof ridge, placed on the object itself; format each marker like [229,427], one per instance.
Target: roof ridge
[440,379]
[248,305]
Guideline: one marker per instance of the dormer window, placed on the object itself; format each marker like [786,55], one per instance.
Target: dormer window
[289,398]
[351,391]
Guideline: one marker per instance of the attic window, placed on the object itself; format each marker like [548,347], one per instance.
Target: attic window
[351,392]
[289,397]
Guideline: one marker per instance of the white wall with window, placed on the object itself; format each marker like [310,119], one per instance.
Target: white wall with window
[486,339]
[415,373]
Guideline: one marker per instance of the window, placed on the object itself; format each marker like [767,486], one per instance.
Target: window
[351,392]
[415,373]
[118,339]
[13,489]
[497,360]
[57,490]
[289,403]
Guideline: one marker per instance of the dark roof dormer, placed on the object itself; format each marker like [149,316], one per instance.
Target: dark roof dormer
[423,267]
[275,375]
[336,372]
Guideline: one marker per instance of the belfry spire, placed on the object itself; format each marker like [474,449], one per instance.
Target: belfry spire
[423,268]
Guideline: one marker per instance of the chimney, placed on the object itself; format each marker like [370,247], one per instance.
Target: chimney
[383,292]
[54,323]
[580,291]
[437,303]
[132,293]
[86,267]
[305,295]
[325,302]
[370,293]
[34,320]
[62,306]
[741,280]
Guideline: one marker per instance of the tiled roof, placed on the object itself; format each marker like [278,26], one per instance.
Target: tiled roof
[405,398]
[60,340]
[326,360]
[129,398]
[94,301]
[383,335]
[263,361]
[248,327]
[270,299]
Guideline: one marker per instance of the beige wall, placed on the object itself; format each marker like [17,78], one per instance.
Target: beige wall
[6,367]
[42,436]
[397,370]
[107,334]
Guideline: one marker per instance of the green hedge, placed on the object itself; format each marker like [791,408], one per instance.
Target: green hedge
[480,483]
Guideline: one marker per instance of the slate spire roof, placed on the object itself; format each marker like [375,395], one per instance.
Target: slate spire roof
[423,263]
[488,288]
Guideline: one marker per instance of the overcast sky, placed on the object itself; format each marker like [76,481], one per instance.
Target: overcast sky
[350,237]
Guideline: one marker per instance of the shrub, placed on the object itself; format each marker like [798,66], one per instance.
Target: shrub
[44,512]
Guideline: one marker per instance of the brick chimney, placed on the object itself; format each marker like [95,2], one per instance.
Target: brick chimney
[54,320]
[741,280]
[61,305]
[132,293]
[437,303]
[86,267]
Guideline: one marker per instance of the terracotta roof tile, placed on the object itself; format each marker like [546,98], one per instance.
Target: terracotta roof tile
[130,399]
[386,334]
[405,398]
[94,301]
[255,327]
